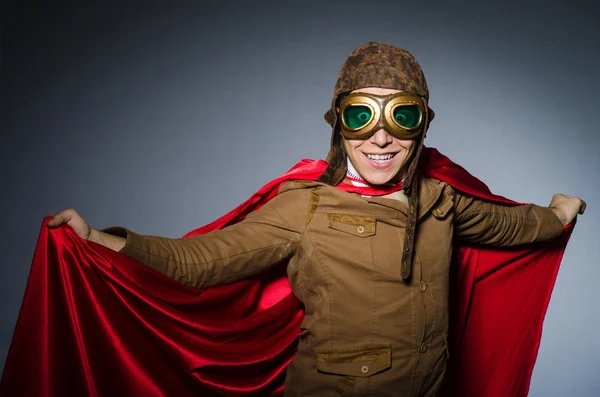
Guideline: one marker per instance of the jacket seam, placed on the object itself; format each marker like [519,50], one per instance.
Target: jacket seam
[236,276]
[469,212]
[168,258]
[317,253]
[361,213]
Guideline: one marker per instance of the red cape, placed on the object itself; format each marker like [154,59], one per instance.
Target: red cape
[96,323]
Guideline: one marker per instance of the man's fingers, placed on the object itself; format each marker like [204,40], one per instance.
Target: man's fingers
[56,220]
[61,217]
[582,207]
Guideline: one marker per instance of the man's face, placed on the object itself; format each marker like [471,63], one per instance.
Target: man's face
[381,158]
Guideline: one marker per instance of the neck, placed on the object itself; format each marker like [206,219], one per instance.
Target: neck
[353,174]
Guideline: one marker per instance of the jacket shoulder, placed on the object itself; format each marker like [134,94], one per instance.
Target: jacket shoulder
[299,185]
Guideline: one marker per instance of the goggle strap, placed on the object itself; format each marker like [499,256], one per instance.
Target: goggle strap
[409,237]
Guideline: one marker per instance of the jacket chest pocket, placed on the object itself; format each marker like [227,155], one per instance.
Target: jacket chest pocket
[356,225]
[347,247]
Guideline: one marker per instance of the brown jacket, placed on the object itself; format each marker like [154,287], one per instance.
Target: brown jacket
[366,332]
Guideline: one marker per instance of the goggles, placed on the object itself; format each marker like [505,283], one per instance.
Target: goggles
[402,115]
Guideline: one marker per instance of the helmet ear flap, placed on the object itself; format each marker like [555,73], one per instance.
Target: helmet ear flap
[336,158]
[430,117]
[330,115]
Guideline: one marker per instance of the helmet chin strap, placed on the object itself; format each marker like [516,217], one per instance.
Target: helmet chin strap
[411,188]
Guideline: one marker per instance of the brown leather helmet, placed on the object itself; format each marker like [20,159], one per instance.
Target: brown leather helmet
[373,65]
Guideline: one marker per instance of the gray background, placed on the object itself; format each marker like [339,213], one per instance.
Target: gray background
[164,117]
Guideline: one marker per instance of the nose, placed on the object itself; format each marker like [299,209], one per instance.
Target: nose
[381,138]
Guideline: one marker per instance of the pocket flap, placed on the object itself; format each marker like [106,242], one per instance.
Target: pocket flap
[357,225]
[361,362]
[442,209]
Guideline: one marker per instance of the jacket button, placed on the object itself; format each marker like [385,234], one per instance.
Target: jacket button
[364,369]
[423,348]
[360,229]
[423,286]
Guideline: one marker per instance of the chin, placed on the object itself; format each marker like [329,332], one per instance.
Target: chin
[380,179]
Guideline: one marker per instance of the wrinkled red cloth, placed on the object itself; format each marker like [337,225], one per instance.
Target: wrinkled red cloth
[96,323]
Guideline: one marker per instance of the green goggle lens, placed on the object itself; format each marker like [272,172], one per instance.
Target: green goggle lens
[357,116]
[408,116]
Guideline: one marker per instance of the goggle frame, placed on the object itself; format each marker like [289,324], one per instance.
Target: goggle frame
[386,105]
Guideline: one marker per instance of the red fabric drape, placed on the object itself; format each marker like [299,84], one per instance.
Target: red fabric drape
[94,322]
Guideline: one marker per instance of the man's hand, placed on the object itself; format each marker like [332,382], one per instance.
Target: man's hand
[83,230]
[71,218]
[566,207]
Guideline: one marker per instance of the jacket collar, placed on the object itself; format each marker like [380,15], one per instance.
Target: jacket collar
[429,193]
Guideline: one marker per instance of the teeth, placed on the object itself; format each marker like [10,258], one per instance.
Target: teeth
[379,157]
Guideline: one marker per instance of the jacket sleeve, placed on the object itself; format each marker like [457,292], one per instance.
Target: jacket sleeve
[264,238]
[483,222]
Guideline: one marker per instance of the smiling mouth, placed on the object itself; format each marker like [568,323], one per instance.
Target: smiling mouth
[380,158]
